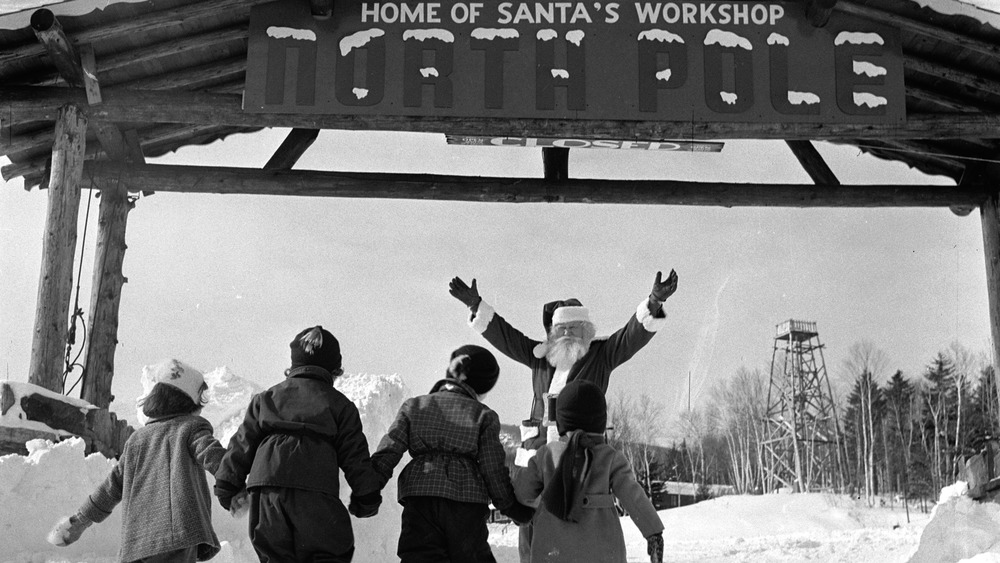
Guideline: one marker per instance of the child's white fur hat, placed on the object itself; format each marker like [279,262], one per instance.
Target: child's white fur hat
[175,373]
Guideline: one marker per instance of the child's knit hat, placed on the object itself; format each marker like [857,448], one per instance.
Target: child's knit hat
[581,406]
[176,374]
[477,364]
[315,346]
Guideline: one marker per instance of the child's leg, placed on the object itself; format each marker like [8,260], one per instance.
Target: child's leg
[186,555]
[269,531]
[436,529]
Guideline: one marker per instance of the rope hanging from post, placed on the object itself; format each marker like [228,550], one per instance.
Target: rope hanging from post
[78,311]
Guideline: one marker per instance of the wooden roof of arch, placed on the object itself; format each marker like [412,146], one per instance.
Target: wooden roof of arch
[170,73]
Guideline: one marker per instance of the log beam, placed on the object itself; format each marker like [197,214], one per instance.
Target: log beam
[58,246]
[223,180]
[936,32]
[60,49]
[812,162]
[292,148]
[22,104]
[818,11]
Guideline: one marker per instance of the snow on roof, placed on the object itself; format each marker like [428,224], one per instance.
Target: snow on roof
[15,417]
[986,11]
[16,14]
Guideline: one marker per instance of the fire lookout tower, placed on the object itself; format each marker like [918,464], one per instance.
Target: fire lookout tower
[802,444]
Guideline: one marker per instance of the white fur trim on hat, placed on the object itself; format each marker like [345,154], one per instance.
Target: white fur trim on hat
[570,314]
[648,321]
[176,374]
[482,317]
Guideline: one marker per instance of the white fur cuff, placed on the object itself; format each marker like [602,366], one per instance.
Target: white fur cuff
[483,316]
[648,321]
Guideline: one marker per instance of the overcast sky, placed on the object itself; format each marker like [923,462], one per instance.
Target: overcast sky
[229,280]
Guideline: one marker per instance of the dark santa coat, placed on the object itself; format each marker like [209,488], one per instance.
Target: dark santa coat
[605,353]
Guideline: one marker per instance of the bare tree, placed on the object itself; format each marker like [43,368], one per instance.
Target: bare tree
[865,363]
[741,407]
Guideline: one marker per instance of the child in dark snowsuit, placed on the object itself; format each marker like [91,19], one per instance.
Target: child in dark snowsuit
[457,465]
[575,482]
[294,438]
[160,476]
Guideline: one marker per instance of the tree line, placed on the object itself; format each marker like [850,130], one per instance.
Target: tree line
[900,435]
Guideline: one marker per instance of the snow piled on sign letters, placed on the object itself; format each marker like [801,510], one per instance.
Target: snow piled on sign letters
[492,33]
[575,36]
[664,75]
[858,38]
[661,35]
[428,71]
[560,73]
[869,99]
[777,39]
[358,39]
[423,34]
[796,98]
[727,39]
[546,34]
[291,33]
[868,69]
[728,97]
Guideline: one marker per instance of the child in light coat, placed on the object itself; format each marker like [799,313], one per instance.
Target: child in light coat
[160,476]
[575,482]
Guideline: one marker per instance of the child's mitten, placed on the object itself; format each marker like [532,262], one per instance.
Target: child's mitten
[654,547]
[226,491]
[519,513]
[68,530]
[365,506]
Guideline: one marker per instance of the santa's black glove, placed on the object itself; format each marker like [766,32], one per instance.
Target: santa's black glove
[663,289]
[519,513]
[464,293]
[654,547]
[226,491]
[365,506]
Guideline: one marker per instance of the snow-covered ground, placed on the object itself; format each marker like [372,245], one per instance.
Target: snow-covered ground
[36,490]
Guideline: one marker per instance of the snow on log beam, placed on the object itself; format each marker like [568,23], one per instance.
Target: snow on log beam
[222,180]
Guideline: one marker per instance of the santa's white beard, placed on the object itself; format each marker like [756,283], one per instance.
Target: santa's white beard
[565,351]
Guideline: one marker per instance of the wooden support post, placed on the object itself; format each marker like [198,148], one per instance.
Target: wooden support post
[291,149]
[990,214]
[55,284]
[813,163]
[555,160]
[105,295]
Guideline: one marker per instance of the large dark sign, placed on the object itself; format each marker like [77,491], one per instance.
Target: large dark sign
[643,60]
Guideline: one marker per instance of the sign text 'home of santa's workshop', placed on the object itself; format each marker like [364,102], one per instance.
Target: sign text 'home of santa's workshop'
[644,60]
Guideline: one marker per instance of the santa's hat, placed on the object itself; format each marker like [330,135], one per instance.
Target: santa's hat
[571,314]
[549,310]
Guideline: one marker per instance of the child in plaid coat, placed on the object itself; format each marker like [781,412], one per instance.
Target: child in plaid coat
[160,476]
[457,465]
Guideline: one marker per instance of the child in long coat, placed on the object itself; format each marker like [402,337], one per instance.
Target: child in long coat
[160,476]
[295,439]
[457,465]
[575,482]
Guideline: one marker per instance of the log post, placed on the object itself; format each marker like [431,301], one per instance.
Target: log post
[105,295]
[55,283]
[555,161]
[990,215]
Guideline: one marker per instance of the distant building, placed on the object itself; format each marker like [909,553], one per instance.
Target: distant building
[672,494]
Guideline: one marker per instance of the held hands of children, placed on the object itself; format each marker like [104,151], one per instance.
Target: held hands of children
[654,547]
[68,530]
[239,506]
[365,506]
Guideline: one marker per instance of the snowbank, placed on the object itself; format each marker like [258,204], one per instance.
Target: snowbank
[961,529]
